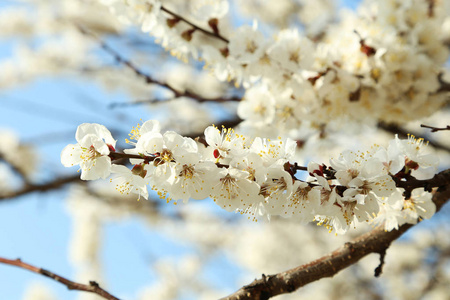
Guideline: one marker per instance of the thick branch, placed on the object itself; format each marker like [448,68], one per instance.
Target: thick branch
[31,188]
[93,286]
[375,241]
[440,180]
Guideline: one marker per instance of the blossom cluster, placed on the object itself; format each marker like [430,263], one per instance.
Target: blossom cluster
[44,31]
[290,79]
[257,177]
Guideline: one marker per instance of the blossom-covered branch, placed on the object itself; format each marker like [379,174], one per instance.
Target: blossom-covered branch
[291,80]
[256,177]
[376,241]
[93,286]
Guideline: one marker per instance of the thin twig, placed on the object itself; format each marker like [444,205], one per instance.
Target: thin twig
[375,241]
[434,129]
[195,97]
[129,64]
[16,169]
[207,32]
[93,286]
[148,79]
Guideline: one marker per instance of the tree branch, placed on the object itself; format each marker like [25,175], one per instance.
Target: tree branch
[31,188]
[434,129]
[445,86]
[440,181]
[209,33]
[375,241]
[93,286]
[15,168]
[189,94]
[129,64]
[150,80]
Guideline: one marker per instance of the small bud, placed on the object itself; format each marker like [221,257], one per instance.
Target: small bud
[367,50]
[213,23]
[224,51]
[364,48]
[172,22]
[139,170]
[187,34]
[111,148]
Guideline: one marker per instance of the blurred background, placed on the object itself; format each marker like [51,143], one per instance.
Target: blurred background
[53,78]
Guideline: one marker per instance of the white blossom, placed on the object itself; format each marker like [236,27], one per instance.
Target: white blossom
[131,181]
[224,143]
[91,152]
[292,51]
[247,45]
[233,191]
[417,158]
[193,178]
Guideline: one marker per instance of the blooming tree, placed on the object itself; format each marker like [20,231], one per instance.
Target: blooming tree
[311,104]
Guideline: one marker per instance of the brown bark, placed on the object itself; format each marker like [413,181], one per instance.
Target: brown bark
[93,286]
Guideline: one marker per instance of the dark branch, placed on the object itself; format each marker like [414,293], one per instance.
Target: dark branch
[445,86]
[129,64]
[150,80]
[120,155]
[93,286]
[375,241]
[440,180]
[434,129]
[193,96]
[379,269]
[31,188]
